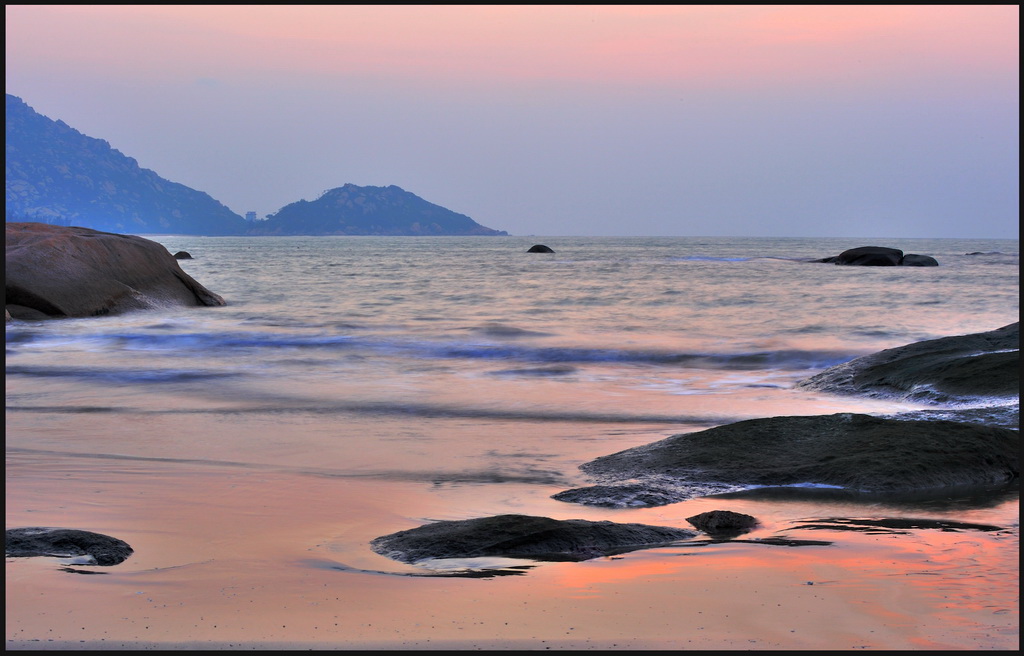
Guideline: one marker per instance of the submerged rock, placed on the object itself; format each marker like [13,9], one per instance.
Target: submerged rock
[954,369]
[65,543]
[523,536]
[625,495]
[55,272]
[852,451]
[897,525]
[540,248]
[183,255]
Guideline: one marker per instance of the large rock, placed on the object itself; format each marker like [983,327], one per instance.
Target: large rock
[99,549]
[523,536]
[55,272]
[962,368]
[851,451]
[879,256]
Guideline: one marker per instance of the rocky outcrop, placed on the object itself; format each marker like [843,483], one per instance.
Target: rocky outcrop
[57,272]
[93,548]
[954,369]
[879,256]
[916,452]
[854,452]
[183,255]
[540,248]
[523,536]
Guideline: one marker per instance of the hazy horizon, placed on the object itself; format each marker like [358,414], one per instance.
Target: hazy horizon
[898,121]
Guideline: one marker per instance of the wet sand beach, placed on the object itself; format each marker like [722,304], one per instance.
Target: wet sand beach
[280,561]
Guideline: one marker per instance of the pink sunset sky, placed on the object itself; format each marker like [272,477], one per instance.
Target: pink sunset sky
[769,120]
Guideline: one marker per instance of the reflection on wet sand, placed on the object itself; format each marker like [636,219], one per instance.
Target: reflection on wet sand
[281,556]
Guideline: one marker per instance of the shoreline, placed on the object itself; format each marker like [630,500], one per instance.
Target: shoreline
[417,645]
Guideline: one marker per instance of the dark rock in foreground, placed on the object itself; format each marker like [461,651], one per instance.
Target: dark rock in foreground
[57,272]
[879,256]
[523,536]
[65,543]
[540,248]
[945,370]
[921,451]
[851,451]
[723,523]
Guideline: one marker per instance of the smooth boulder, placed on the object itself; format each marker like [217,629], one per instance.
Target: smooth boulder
[960,368]
[540,248]
[913,259]
[523,536]
[99,549]
[879,256]
[57,272]
[854,452]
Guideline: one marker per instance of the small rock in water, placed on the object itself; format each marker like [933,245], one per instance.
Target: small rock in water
[85,547]
[723,523]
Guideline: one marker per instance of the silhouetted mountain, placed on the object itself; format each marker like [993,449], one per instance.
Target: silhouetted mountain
[354,210]
[57,175]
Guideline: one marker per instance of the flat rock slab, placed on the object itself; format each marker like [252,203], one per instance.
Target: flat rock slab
[523,536]
[953,369]
[852,451]
[65,543]
[56,272]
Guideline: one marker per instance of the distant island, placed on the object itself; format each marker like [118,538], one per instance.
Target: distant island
[59,176]
[354,210]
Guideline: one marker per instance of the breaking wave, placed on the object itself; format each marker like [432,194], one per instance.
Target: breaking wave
[202,345]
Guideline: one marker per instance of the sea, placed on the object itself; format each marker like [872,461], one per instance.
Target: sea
[441,378]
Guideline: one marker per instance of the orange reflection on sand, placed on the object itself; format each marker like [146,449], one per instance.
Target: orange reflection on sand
[927,584]
[698,562]
[585,577]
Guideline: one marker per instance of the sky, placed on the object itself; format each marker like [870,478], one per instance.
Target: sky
[852,121]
